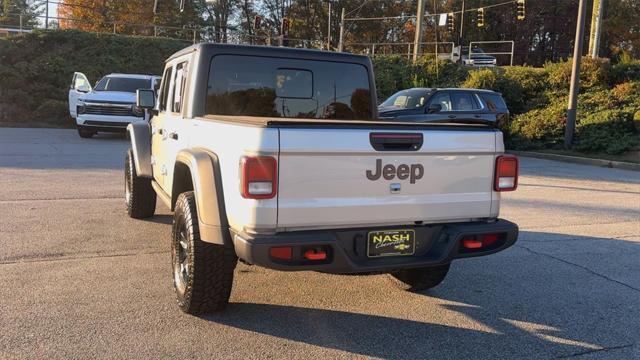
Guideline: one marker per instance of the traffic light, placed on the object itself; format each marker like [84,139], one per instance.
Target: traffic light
[520,4]
[284,31]
[451,26]
[285,27]
[480,22]
[256,22]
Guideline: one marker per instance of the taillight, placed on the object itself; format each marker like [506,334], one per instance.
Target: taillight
[258,177]
[506,177]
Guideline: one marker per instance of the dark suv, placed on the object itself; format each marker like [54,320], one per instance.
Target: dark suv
[445,105]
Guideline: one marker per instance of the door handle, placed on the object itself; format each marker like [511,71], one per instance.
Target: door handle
[477,116]
[173,136]
[452,116]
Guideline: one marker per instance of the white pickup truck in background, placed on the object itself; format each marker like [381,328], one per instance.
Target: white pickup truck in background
[110,105]
[276,156]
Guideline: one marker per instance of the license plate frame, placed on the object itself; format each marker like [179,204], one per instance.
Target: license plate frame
[391,243]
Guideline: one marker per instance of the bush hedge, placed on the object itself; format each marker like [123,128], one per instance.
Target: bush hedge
[36,69]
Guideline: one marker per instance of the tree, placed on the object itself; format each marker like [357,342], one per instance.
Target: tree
[11,10]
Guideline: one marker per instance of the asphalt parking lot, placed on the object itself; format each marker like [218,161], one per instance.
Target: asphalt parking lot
[79,279]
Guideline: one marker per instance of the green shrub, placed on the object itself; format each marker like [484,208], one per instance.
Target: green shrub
[610,131]
[625,71]
[593,72]
[544,126]
[36,68]
[393,73]
[495,79]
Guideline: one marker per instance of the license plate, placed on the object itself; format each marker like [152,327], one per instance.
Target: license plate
[391,243]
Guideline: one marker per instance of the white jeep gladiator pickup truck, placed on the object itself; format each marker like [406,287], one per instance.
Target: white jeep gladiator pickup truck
[275,156]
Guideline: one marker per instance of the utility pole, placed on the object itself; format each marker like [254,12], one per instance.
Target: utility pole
[575,76]
[435,11]
[340,41]
[461,27]
[418,37]
[329,28]
[596,27]
[46,16]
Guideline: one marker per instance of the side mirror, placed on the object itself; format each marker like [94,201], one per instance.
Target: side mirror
[145,99]
[434,108]
[84,88]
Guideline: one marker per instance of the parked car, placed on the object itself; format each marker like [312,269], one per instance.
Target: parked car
[110,105]
[446,105]
[478,58]
[276,156]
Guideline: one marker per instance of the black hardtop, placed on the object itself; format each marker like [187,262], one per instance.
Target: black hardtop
[212,49]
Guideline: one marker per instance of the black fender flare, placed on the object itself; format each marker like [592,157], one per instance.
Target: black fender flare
[139,134]
[204,168]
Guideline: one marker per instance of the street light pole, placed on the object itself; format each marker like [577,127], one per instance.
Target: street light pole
[575,76]
[46,16]
[596,27]
[329,28]
[461,25]
[340,41]
[418,37]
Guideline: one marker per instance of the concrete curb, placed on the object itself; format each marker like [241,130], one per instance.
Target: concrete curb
[579,160]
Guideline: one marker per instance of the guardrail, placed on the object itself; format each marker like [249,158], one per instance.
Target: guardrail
[375,48]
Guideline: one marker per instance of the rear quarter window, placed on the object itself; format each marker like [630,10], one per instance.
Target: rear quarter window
[287,88]
[494,102]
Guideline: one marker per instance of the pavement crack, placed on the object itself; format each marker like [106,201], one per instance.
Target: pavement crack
[581,267]
[586,352]
[82,257]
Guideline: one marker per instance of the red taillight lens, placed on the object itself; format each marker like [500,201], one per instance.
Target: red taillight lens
[506,177]
[258,177]
[281,253]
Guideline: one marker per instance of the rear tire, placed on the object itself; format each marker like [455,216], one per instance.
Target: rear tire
[138,192]
[202,272]
[420,278]
[85,133]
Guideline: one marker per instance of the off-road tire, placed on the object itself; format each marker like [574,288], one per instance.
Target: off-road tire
[85,133]
[420,278]
[139,195]
[207,286]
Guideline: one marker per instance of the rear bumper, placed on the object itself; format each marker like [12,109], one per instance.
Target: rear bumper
[435,245]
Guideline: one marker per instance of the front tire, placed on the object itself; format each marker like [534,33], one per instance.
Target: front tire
[138,192]
[202,272]
[420,278]
[85,133]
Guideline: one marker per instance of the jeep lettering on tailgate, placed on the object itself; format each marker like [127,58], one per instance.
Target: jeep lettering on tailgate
[412,172]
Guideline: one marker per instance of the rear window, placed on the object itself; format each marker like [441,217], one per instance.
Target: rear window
[494,101]
[287,88]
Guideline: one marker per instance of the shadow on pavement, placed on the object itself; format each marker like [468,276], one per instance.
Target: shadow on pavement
[523,306]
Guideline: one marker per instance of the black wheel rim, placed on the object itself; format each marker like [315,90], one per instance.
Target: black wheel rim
[181,269]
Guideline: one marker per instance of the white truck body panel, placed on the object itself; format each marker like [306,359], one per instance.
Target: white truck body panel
[230,142]
[323,181]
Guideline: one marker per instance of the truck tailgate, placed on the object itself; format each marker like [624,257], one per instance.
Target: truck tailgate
[332,177]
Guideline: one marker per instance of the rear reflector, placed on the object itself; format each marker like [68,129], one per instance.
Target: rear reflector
[258,177]
[506,176]
[480,241]
[281,253]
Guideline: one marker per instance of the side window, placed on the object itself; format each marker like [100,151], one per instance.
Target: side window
[443,99]
[164,94]
[178,86]
[494,102]
[462,101]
